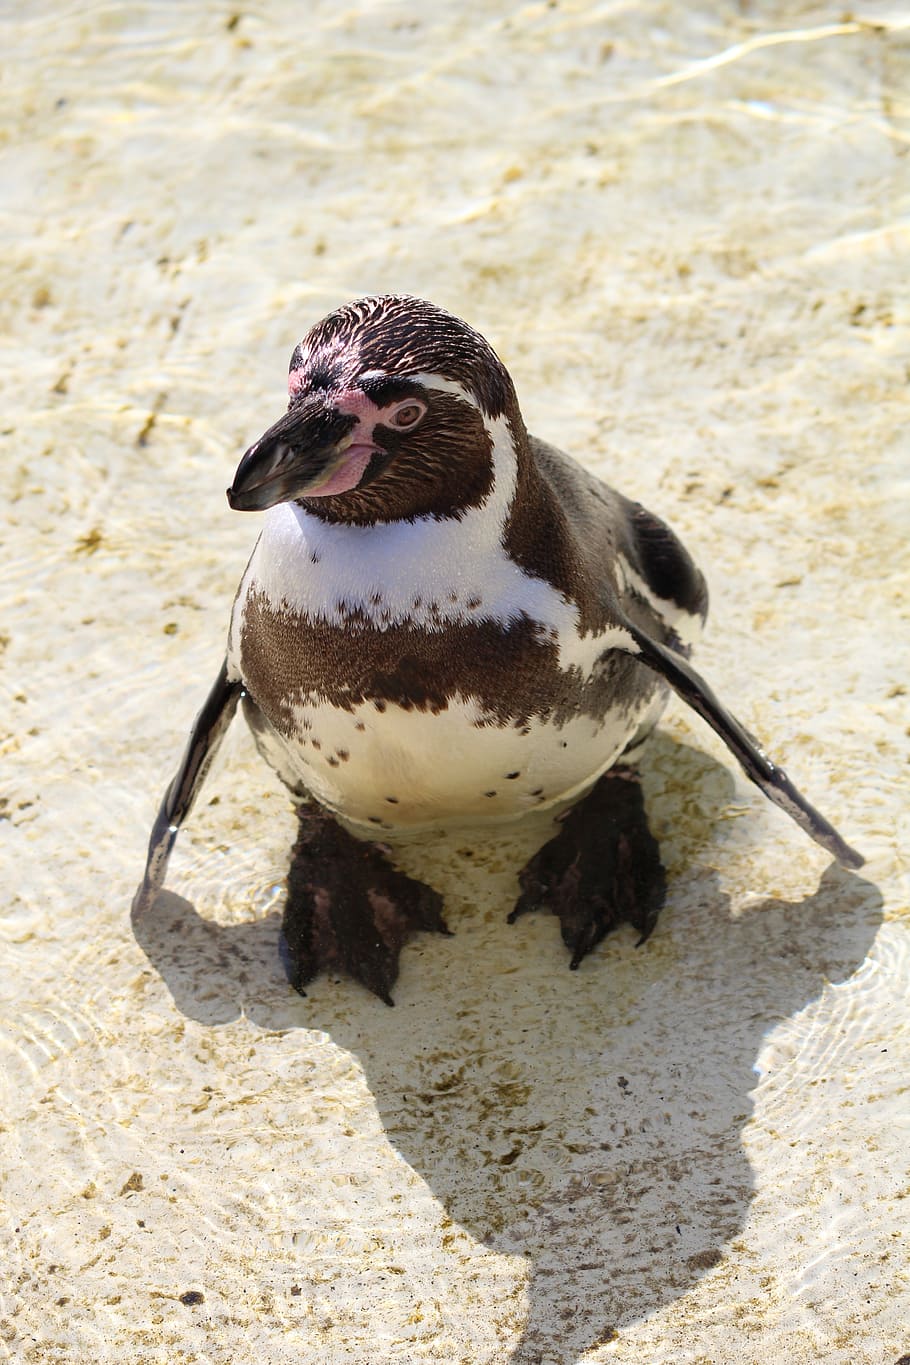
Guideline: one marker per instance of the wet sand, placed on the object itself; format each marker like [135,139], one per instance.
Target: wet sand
[686,233]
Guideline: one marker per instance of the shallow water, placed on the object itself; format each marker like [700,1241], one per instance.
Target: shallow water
[686,232]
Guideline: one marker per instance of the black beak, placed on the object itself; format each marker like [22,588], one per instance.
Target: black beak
[291,457]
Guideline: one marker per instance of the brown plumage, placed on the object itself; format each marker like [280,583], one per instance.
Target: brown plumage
[446,619]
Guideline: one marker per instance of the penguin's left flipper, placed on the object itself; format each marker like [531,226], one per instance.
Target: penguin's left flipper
[209,729]
[348,909]
[602,868]
[756,764]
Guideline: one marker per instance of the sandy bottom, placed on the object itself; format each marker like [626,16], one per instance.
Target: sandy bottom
[686,232]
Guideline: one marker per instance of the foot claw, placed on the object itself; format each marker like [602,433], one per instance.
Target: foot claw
[529,900]
[348,909]
[601,868]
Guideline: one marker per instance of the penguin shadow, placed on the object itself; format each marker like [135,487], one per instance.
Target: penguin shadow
[588,1123]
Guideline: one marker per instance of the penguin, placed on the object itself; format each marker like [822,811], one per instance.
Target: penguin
[447,620]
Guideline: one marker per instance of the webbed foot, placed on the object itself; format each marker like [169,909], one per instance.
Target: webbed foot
[348,909]
[601,868]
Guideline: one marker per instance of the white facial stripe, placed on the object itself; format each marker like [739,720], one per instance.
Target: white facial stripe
[436,381]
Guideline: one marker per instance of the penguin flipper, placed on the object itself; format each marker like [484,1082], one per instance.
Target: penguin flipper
[209,729]
[757,766]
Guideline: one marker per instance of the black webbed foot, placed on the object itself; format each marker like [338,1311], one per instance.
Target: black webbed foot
[601,868]
[348,909]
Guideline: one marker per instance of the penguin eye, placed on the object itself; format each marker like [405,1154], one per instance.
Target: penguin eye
[406,415]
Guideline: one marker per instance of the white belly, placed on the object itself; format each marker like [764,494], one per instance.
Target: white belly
[407,769]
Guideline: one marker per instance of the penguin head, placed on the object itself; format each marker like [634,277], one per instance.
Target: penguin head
[395,408]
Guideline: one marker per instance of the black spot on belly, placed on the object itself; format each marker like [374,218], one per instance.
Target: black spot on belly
[316,744]
[360,725]
[343,755]
[392,800]
[332,761]
[511,776]
[489,793]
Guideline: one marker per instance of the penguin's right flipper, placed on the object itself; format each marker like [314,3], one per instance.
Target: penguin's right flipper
[209,729]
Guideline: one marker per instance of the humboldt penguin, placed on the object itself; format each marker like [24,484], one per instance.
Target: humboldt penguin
[446,620]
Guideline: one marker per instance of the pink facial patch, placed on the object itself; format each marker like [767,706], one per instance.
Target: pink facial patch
[295,382]
[357,402]
[348,474]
